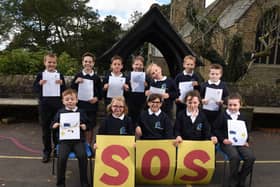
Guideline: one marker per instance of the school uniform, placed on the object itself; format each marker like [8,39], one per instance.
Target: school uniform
[113,125]
[237,178]
[155,125]
[170,87]
[135,102]
[212,115]
[107,100]
[191,127]
[186,77]
[90,109]
[48,106]
[76,146]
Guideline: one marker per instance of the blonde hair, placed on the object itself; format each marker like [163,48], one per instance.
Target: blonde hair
[149,68]
[118,98]
[51,55]
[190,57]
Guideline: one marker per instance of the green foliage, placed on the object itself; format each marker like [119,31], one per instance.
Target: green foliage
[21,61]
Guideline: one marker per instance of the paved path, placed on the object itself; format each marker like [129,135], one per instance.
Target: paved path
[20,161]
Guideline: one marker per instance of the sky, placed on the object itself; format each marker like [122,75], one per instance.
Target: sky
[122,9]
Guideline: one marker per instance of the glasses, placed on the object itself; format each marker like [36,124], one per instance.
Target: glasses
[117,106]
[156,102]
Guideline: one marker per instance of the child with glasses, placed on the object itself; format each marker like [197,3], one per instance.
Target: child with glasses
[154,123]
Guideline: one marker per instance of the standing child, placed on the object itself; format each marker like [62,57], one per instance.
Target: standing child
[116,67]
[89,87]
[49,85]
[237,178]
[167,85]
[187,76]
[117,122]
[136,99]
[154,123]
[70,100]
[191,123]
[214,83]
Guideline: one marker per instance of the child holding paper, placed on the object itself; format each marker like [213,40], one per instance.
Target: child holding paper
[186,81]
[49,84]
[235,152]
[115,83]
[154,123]
[162,85]
[138,83]
[213,93]
[191,123]
[89,88]
[70,100]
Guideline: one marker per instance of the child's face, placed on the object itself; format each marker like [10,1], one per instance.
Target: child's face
[192,103]
[233,105]
[88,63]
[215,75]
[70,101]
[155,105]
[189,65]
[156,72]
[117,108]
[50,63]
[116,66]
[138,65]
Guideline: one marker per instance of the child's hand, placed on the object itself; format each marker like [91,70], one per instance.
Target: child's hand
[94,146]
[178,140]
[83,126]
[125,87]
[204,101]
[178,100]
[138,131]
[195,83]
[58,81]
[227,142]
[145,84]
[214,139]
[165,96]
[246,144]
[55,125]
[106,86]
[147,93]
[93,100]
[220,102]
[41,82]
[79,80]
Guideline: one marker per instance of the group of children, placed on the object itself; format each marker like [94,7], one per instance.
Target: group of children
[146,114]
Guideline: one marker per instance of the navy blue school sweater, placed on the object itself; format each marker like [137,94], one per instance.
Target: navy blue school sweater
[155,127]
[97,92]
[185,78]
[188,130]
[220,125]
[170,87]
[116,126]
[83,120]
[52,101]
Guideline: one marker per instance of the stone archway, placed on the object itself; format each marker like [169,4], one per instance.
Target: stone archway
[268,37]
[154,28]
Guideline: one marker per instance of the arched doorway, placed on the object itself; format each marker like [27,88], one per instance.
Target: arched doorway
[268,37]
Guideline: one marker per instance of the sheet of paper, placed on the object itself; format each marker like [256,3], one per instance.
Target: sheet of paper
[85,90]
[237,132]
[155,90]
[184,88]
[50,88]
[69,128]
[137,81]
[213,96]
[115,86]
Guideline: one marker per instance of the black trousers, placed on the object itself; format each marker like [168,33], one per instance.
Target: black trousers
[235,154]
[79,149]
[47,113]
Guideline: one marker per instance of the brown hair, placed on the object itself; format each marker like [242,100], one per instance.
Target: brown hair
[139,57]
[190,57]
[116,57]
[69,91]
[216,66]
[118,98]
[89,54]
[193,94]
[153,97]
[51,55]
[235,95]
